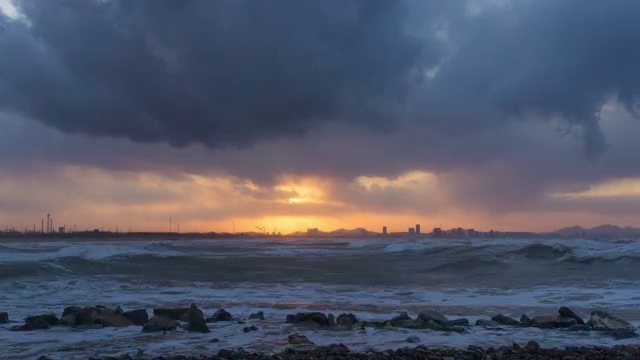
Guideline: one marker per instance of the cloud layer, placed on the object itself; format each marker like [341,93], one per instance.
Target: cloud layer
[500,103]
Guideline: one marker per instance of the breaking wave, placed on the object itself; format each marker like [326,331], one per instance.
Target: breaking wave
[357,261]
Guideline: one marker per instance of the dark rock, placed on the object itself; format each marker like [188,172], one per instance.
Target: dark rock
[220,315]
[215,340]
[195,320]
[565,312]
[347,320]
[160,323]
[601,320]
[487,323]
[516,347]
[315,318]
[50,319]
[505,320]
[297,339]
[532,347]
[433,316]
[257,316]
[137,317]
[526,320]
[250,329]
[225,354]
[413,339]
[86,316]
[68,320]
[175,314]
[400,318]
[70,310]
[116,320]
[4,318]
[552,322]
[458,322]
[39,322]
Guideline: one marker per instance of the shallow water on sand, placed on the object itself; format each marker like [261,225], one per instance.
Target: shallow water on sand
[373,278]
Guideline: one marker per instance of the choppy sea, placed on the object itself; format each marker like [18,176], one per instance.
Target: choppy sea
[375,279]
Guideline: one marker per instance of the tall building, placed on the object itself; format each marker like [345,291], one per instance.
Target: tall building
[417,228]
[412,230]
[384,230]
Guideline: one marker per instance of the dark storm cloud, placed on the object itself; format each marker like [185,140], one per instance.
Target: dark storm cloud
[546,58]
[231,72]
[211,72]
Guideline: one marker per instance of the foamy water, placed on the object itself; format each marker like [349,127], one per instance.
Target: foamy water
[373,278]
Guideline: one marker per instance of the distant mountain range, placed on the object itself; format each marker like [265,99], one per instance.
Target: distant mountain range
[606,230]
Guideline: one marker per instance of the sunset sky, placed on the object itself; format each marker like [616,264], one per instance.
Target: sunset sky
[289,114]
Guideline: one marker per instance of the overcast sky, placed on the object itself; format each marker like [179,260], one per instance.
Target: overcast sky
[290,114]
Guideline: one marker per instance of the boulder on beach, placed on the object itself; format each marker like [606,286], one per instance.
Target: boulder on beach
[309,318]
[257,316]
[38,322]
[251,328]
[175,313]
[347,320]
[487,323]
[532,347]
[195,320]
[115,320]
[220,315]
[458,322]
[297,339]
[137,317]
[400,319]
[505,320]
[433,316]
[88,316]
[4,317]
[565,312]
[70,310]
[552,322]
[525,320]
[50,319]
[601,320]
[160,323]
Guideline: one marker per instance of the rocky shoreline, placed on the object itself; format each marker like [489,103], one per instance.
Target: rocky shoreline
[192,319]
[530,351]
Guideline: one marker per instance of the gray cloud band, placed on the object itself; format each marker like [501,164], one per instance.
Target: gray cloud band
[237,72]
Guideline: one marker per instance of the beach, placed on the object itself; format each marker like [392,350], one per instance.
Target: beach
[375,280]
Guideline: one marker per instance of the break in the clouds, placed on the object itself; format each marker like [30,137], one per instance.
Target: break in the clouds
[488,109]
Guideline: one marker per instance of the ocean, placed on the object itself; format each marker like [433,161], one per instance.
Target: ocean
[375,279]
